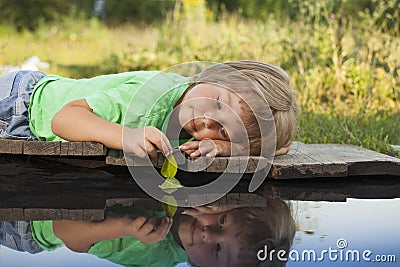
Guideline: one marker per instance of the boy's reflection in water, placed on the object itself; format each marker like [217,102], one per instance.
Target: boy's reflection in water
[202,236]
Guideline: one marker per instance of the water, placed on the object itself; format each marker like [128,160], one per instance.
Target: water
[360,225]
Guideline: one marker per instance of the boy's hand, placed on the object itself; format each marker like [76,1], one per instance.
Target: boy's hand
[283,150]
[146,140]
[207,210]
[148,230]
[211,148]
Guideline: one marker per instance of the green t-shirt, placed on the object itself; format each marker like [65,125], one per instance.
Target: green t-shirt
[127,251]
[145,97]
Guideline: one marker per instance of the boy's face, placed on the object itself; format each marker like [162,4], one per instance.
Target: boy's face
[211,239]
[210,111]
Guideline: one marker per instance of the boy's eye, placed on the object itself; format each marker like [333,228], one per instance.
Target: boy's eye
[223,132]
[217,249]
[219,105]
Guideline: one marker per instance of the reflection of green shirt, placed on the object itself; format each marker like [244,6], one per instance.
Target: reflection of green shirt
[127,251]
[153,95]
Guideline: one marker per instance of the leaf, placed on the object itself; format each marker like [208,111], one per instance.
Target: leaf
[170,167]
[171,207]
[170,185]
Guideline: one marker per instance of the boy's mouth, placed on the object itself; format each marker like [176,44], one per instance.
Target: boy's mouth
[192,123]
[192,229]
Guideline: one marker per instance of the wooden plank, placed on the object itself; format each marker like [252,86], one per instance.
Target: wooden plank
[71,149]
[93,214]
[217,164]
[198,164]
[93,149]
[233,165]
[17,214]
[11,146]
[120,201]
[252,200]
[303,161]
[332,166]
[76,214]
[233,199]
[33,214]
[42,148]
[332,160]
[116,158]
[361,161]
[220,202]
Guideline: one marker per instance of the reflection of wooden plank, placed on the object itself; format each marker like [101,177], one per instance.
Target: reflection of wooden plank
[75,214]
[93,214]
[32,214]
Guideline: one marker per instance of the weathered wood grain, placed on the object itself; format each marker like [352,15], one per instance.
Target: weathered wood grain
[11,146]
[52,148]
[33,214]
[93,149]
[331,160]
[42,148]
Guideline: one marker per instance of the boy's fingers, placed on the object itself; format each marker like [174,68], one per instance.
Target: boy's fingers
[158,139]
[166,226]
[140,152]
[139,222]
[190,145]
[212,153]
[190,151]
[196,153]
[165,145]
[191,212]
[151,150]
[162,230]
[149,226]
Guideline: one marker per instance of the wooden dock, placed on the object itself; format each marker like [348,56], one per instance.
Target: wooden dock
[303,160]
[78,180]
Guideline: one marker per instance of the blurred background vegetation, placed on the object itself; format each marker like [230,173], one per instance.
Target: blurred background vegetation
[343,56]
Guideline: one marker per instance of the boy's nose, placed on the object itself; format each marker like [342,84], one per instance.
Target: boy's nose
[209,234]
[209,123]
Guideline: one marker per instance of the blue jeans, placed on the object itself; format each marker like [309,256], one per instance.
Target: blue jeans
[15,92]
[18,236]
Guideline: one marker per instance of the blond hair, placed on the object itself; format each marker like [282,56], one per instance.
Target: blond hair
[272,226]
[257,82]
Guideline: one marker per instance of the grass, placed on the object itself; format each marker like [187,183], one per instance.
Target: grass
[345,73]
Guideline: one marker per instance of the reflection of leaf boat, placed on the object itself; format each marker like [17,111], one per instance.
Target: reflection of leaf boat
[171,207]
[170,185]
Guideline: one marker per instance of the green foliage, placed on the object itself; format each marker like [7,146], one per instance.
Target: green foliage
[29,14]
[343,61]
[138,11]
[374,131]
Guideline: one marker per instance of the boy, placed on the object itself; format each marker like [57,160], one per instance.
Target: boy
[203,236]
[212,105]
